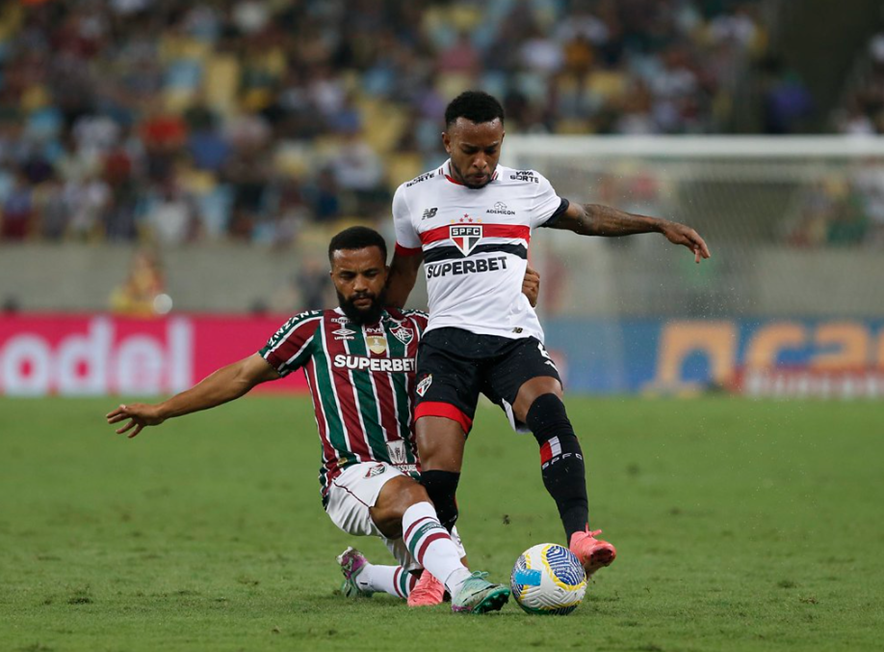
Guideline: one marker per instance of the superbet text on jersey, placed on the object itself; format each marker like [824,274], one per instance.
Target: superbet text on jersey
[475,246]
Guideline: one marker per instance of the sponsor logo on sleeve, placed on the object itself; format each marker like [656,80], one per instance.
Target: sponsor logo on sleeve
[418,179]
[527,176]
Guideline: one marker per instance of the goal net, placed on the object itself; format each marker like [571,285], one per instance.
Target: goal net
[795,226]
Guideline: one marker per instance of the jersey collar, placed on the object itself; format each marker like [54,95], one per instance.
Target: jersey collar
[385,315]
[446,170]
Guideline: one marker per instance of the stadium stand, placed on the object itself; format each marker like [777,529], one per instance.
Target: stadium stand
[165,122]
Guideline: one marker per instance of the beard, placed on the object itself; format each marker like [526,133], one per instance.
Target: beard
[360,316]
[468,184]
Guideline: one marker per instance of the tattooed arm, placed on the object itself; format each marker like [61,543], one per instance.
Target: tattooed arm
[595,219]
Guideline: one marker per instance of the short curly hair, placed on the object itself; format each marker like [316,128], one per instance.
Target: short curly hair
[475,106]
[357,237]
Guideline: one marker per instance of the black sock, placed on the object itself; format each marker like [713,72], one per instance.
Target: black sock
[561,461]
[441,486]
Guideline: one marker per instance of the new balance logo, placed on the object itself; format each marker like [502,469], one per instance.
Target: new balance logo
[429,213]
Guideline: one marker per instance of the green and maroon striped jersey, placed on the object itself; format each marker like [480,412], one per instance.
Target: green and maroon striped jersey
[361,380]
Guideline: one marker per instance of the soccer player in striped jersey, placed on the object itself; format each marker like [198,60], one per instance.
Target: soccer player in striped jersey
[469,222]
[359,361]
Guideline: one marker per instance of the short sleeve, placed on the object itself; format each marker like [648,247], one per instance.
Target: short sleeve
[292,345]
[408,241]
[546,204]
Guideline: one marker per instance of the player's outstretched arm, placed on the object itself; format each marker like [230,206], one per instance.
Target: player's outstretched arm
[224,385]
[595,219]
[403,275]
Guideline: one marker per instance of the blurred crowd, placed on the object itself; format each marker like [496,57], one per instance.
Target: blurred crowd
[862,113]
[846,209]
[168,122]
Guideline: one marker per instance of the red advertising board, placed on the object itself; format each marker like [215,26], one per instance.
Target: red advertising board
[101,354]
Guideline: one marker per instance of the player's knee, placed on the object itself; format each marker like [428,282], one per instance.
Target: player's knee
[441,487]
[547,418]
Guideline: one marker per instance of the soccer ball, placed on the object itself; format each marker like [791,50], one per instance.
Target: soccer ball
[548,579]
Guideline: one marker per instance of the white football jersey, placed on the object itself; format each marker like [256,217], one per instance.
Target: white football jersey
[475,246]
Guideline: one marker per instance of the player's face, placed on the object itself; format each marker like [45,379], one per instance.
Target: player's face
[474,150]
[359,276]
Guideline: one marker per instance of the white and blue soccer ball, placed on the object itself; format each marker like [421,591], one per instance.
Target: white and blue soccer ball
[548,579]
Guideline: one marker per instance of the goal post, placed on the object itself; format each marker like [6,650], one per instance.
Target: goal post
[795,224]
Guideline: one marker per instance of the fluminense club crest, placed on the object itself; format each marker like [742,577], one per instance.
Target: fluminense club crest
[404,335]
[465,236]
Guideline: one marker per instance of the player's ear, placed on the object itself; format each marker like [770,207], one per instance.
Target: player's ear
[446,141]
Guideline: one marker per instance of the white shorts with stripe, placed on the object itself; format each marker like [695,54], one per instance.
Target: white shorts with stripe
[354,492]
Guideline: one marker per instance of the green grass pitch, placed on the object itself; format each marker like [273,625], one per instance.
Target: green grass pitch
[740,525]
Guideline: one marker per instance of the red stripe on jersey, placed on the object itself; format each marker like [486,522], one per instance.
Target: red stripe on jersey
[412,526]
[407,251]
[294,342]
[488,231]
[328,452]
[345,388]
[439,409]
[426,544]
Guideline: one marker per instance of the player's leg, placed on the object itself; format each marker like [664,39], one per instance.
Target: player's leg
[445,401]
[362,578]
[537,402]
[440,443]
[403,510]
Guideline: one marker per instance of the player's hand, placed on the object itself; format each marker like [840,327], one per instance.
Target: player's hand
[531,285]
[139,415]
[684,235]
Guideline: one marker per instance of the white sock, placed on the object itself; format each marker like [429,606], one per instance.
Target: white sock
[455,536]
[394,580]
[432,546]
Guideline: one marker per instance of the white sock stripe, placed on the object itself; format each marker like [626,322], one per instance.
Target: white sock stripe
[555,446]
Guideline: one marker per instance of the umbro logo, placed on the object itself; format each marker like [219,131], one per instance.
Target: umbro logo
[500,209]
[343,334]
[429,213]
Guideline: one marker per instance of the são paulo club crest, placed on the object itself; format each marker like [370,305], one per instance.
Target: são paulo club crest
[424,385]
[465,236]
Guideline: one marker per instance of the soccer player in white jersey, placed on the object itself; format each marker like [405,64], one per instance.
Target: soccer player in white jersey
[359,361]
[470,222]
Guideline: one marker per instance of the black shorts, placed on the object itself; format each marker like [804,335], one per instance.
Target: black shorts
[454,366]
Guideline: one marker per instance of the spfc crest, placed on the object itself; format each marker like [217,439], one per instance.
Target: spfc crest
[377,344]
[465,236]
[404,335]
